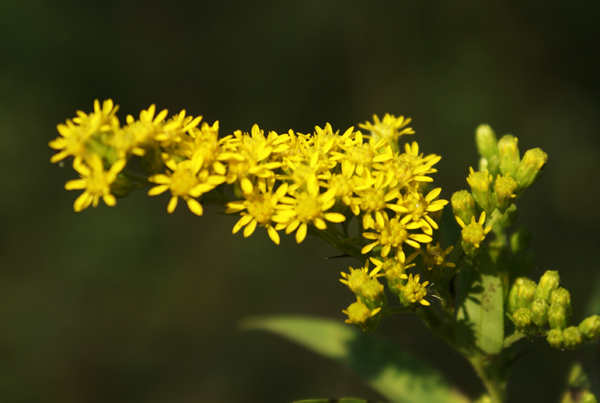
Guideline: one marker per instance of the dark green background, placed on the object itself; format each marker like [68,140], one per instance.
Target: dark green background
[130,304]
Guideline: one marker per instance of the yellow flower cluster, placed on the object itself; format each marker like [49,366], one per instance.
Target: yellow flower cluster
[289,182]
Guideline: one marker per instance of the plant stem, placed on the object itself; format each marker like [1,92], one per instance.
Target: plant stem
[494,381]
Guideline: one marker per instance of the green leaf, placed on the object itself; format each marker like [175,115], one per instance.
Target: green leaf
[480,313]
[395,374]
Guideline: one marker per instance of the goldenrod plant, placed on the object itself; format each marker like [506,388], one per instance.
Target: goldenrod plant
[459,265]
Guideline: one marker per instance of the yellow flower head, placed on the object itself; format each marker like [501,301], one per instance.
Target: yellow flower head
[407,170]
[473,234]
[435,255]
[247,158]
[363,317]
[260,208]
[103,118]
[390,128]
[417,208]
[72,143]
[393,234]
[358,277]
[413,291]
[185,181]
[96,182]
[306,207]
[374,198]
[176,129]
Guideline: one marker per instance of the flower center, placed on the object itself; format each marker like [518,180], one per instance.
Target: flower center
[393,234]
[261,209]
[307,208]
[182,181]
[373,200]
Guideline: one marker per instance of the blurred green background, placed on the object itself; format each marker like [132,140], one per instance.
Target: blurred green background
[130,304]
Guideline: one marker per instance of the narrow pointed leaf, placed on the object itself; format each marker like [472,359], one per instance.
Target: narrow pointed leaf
[396,374]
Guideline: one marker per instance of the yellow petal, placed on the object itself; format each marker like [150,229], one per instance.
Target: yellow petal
[273,234]
[301,233]
[194,206]
[320,224]
[368,247]
[83,201]
[109,199]
[433,194]
[250,228]
[156,190]
[334,217]
[292,226]
[75,184]
[172,204]
[246,185]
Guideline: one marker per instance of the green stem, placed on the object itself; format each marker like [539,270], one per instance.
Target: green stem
[333,237]
[494,382]
[434,322]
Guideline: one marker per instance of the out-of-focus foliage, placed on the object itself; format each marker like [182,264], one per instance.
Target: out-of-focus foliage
[132,304]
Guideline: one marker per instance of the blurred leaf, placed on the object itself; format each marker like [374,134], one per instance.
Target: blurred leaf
[395,374]
[345,400]
[480,313]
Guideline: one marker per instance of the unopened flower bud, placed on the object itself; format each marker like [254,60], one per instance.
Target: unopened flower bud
[372,294]
[463,205]
[360,315]
[590,328]
[557,316]
[548,283]
[487,143]
[492,165]
[482,190]
[121,187]
[539,312]
[504,190]
[521,294]
[562,297]
[573,338]
[522,320]
[508,148]
[530,168]
[556,338]
[520,240]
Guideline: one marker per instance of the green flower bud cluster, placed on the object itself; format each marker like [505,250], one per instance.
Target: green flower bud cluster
[501,178]
[545,308]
